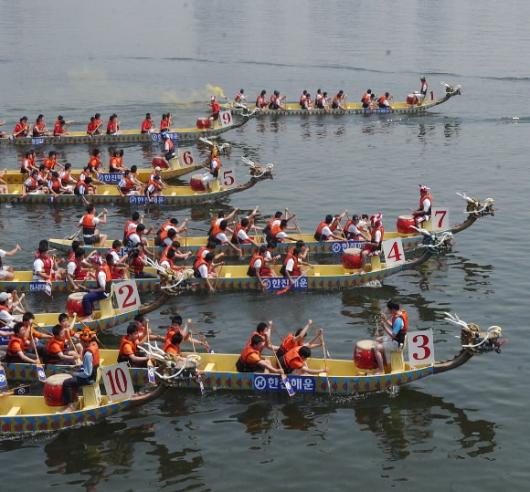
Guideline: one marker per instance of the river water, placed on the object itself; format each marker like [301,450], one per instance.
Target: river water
[463,430]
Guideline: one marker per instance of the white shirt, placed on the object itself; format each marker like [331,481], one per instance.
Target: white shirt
[326,232]
[2,255]
[203,271]
[289,265]
[38,267]
[267,256]
[167,242]
[70,268]
[258,263]
[115,256]
[165,264]
[7,319]
[102,279]
[242,235]
[281,235]
[353,229]
[134,239]
[377,237]
[426,204]
[204,253]
[221,237]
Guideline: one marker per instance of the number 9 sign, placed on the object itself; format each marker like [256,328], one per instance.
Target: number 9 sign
[225,118]
[421,348]
[393,250]
[126,294]
[117,381]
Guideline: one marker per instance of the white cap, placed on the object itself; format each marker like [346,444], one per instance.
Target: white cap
[4,296]
[157,168]
[424,188]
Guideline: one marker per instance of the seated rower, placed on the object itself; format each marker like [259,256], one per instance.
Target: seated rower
[45,268]
[116,162]
[240,101]
[278,232]
[136,262]
[165,123]
[325,231]
[295,362]
[423,213]
[204,268]
[85,187]
[89,223]
[366,99]
[218,237]
[353,231]
[55,185]
[338,101]
[77,268]
[173,342]
[276,100]
[291,265]
[87,373]
[129,348]
[373,248]
[95,125]
[302,99]
[172,224]
[395,328]
[6,272]
[251,359]
[59,128]
[241,230]
[51,161]
[7,319]
[102,289]
[113,126]
[384,101]
[39,128]
[297,339]
[28,163]
[318,99]
[131,225]
[31,184]
[154,187]
[127,186]
[21,129]
[261,101]
[306,102]
[16,347]
[94,162]
[137,237]
[55,352]
[262,330]
[258,265]
[147,124]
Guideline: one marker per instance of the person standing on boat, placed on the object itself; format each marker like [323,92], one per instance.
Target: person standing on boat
[103,286]
[261,101]
[147,124]
[395,328]
[6,272]
[168,148]
[423,213]
[89,223]
[338,101]
[251,359]
[424,88]
[215,108]
[21,129]
[129,348]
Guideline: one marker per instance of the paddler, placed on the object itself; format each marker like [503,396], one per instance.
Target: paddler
[240,235]
[6,272]
[51,161]
[325,230]
[59,128]
[424,87]
[93,127]
[77,268]
[39,128]
[240,101]
[21,129]
[102,289]
[129,348]
[318,99]
[165,122]
[261,101]
[136,261]
[297,339]
[116,161]
[85,187]
[44,266]
[31,183]
[136,238]
[218,237]
[305,101]
[338,101]
[352,230]
[377,235]
[28,162]
[366,99]
[127,186]
[147,124]
[16,348]
[251,359]
[113,126]
[295,362]
[169,225]
[55,185]
[214,166]
[275,101]
[291,265]
[278,233]
[87,373]
[94,162]
[383,102]
[257,266]
[215,108]
[55,351]
[131,225]
[423,212]
[204,268]
[89,223]
[395,328]
[262,330]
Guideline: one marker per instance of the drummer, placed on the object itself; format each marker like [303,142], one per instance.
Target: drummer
[89,223]
[251,359]
[129,348]
[6,272]
[423,213]
[395,328]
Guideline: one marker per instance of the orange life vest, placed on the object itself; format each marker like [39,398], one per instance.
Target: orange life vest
[289,342]
[400,338]
[318,233]
[251,268]
[171,348]
[374,230]
[366,98]
[197,264]
[93,348]
[14,346]
[127,345]
[292,359]
[427,196]
[296,269]
[248,360]
[54,346]
[89,224]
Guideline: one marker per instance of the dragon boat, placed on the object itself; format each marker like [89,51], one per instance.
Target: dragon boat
[183,164]
[476,209]
[25,414]
[182,136]
[397,107]
[217,371]
[171,195]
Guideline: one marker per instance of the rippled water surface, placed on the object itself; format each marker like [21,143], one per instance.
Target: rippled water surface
[464,430]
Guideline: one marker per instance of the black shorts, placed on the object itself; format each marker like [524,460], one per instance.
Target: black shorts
[91,239]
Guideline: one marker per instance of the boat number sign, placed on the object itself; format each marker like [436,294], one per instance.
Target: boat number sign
[155,137]
[393,250]
[338,247]
[273,382]
[126,294]
[117,381]
[225,118]
[274,284]
[439,219]
[420,347]
[187,158]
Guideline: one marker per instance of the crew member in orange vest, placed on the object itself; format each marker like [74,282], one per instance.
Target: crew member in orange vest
[59,128]
[16,346]
[423,213]
[251,359]
[325,230]
[39,128]
[204,268]
[89,223]
[215,108]
[21,129]
[295,361]
[383,102]
[113,126]
[218,237]
[165,123]
[147,124]
[129,348]
[55,352]
[298,339]
[257,266]
[366,99]
[103,284]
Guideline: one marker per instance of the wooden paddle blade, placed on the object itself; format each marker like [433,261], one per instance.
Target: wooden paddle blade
[3,379]
[41,374]
[284,290]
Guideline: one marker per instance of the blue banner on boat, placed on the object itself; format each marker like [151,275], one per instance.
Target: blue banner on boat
[273,382]
[110,178]
[274,284]
[37,141]
[143,200]
[338,247]
[157,137]
[3,379]
[39,286]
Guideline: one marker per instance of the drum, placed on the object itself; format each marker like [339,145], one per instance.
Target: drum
[364,354]
[196,183]
[405,223]
[74,304]
[159,162]
[203,123]
[352,258]
[53,390]
[412,99]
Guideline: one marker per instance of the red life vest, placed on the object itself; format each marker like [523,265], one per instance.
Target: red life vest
[54,346]
[34,184]
[381,101]
[126,345]
[213,233]
[198,263]
[216,107]
[137,265]
[288,343]
[201,251]
[169,146]
[21,130]
[164,125]
[405,317]
[427,196]
[260,102]
[91,127]
[296,269]
[112,127]
[156,184]
[275,230]
[235,238]
[93,348]
[318,233]
[56,185]
[251,268]
[374,230]
[171,348]
[146,125]
[248,360]
[366,99]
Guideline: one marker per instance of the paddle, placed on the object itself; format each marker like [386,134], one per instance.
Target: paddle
[69,336]
[3,378]
[40,369]
[199,377]
[17,390]
[324,352]
[290,391]
[150,365]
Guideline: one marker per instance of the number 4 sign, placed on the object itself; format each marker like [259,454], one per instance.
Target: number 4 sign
[440,219]
[126,294]
[421,348]
[117,381]
[393,250]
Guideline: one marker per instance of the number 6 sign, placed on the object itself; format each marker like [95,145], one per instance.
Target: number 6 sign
[421,348]
[186,158]
[393,250]
[439,219]
[225,118]
[117,381]
[126,294]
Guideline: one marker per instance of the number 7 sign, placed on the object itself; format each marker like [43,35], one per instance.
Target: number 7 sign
[439,219]
[393,251]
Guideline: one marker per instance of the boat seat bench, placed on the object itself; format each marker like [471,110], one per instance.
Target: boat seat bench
[209,367]
[13,411]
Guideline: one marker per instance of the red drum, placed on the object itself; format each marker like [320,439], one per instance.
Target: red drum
[203,123]
[405,223]
[352,258]
[364,354]
[196,183]
[74,304]
[412,99]
[159,162]
[53,389]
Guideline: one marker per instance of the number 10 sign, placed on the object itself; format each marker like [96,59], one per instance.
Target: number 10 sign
[117,381]
[421,348]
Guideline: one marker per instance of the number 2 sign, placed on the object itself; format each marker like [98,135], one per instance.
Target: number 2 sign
[439,219]
[117,381]
[225,118]
[421,348]
[393,250]
[126,294]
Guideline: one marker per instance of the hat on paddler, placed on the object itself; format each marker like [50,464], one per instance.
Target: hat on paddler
[424,188]
[86,334]
[4,296]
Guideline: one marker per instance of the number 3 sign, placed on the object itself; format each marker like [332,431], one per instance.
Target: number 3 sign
[421,348]
[393,250]
[117,381]
[127,297]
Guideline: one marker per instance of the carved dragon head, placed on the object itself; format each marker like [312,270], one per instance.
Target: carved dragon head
[258,171]
[478,208]
[474,340]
